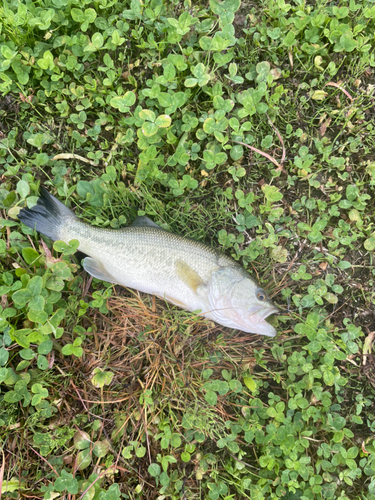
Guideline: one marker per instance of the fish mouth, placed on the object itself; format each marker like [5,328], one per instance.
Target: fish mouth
[268,312]
[257,317]
[262,312]
[253,321]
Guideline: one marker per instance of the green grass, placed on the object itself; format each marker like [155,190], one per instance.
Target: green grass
[129,108]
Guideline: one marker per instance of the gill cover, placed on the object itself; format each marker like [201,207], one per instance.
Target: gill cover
[236,301]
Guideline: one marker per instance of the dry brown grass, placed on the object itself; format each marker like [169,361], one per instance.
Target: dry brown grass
[149,346]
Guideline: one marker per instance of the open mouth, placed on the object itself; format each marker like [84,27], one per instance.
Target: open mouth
[253,321]
[260,313]
[257,323]
[268,312]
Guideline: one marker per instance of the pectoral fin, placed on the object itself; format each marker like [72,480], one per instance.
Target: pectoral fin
[96,269]
[190,277]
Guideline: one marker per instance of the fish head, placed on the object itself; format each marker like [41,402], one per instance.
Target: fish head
[237,301]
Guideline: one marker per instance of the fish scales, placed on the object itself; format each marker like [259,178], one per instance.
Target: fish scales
[147,258]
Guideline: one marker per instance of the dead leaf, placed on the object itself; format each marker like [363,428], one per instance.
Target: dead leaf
[26,98]
[324,126]
[71,156]
[276,73]
[290,55]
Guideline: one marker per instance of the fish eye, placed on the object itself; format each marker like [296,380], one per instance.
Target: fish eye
[261,295]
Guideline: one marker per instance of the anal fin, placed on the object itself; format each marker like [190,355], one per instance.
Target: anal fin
[172,300]
[96,269]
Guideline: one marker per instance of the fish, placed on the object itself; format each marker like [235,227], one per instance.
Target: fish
[148,258]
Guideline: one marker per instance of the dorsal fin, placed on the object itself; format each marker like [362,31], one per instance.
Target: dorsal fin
[143,221]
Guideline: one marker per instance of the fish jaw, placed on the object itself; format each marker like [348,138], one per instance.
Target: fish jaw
[259,325]
[249,323]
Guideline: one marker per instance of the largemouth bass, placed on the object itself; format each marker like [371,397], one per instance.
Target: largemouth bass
[150,259]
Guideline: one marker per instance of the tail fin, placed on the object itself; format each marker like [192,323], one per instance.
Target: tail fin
[48,216]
